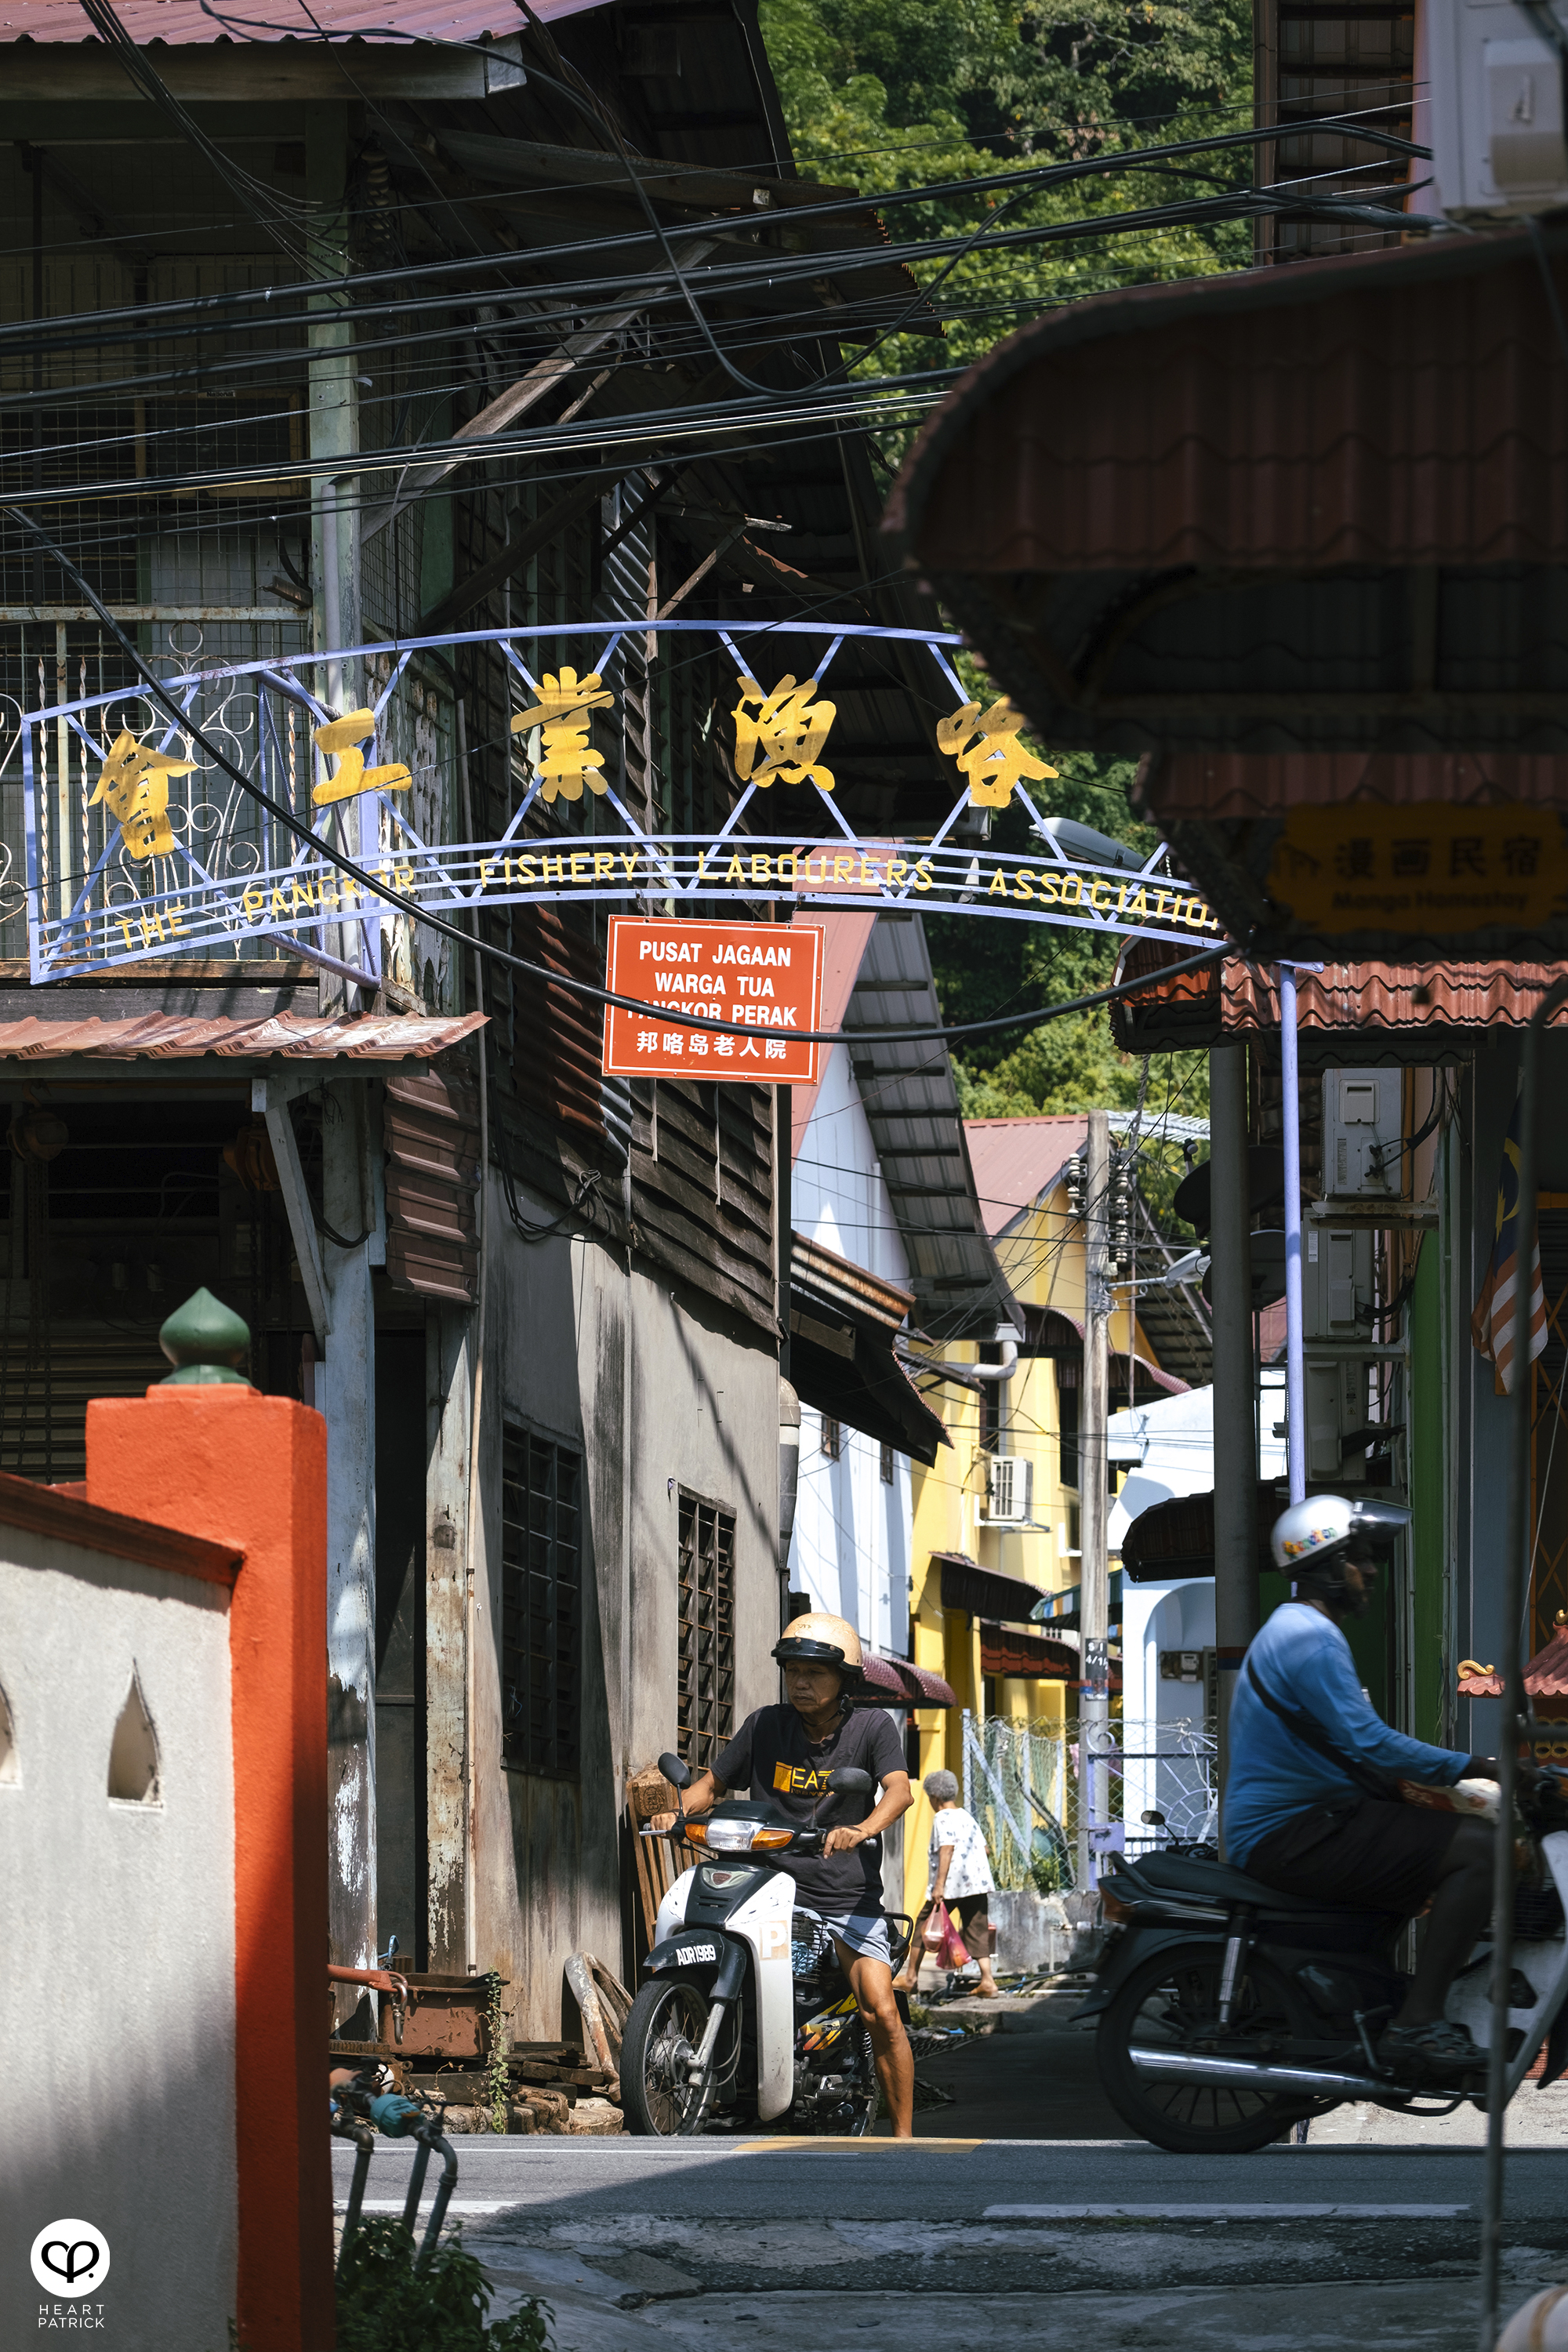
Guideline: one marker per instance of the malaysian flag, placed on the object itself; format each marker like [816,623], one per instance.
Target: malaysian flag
[1491,1325]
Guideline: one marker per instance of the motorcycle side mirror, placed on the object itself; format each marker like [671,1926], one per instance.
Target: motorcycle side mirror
[678,1774]
[848,1781]
[1155,1820]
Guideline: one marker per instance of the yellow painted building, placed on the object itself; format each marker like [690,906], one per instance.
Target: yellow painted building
[961,1553]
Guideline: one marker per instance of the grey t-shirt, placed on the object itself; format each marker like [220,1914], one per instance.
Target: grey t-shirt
[770,1758]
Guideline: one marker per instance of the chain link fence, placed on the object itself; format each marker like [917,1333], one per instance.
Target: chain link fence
[1032,1787]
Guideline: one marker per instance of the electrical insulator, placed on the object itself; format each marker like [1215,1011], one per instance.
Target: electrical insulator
[1123,1185]
[1075,1183]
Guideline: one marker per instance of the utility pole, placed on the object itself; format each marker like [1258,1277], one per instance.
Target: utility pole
[1235,1427]
[1094,1591]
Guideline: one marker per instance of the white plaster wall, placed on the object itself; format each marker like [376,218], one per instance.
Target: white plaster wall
[837,1196]
[117,1990]
[851,1548]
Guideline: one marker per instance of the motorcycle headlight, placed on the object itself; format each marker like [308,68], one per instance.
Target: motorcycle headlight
[736,1837]
[730,1837]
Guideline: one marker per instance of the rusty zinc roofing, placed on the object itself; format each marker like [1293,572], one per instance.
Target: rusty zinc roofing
[1403,406]
[1017,1160]
[1322,509]
[183,24]
[290,1036]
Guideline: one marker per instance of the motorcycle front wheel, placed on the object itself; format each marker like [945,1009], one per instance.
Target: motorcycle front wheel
[1172,2003]
[664,2026]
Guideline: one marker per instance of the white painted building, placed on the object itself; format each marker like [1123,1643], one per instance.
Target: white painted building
[851,1548]
[1167,1450]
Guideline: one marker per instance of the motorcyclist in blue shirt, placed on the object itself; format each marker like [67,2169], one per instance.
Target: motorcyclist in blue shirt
[1330,1824]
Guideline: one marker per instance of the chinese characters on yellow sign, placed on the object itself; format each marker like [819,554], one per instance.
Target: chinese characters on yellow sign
[134,786]
[988,751]
[342,738]
[1432,867]
[561,714]
[789,731]
[780,734]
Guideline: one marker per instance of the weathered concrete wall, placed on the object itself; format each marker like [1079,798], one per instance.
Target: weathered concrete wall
[118,1982]
[658,1391]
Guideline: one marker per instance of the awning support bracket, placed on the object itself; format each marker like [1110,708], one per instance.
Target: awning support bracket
[270,1096]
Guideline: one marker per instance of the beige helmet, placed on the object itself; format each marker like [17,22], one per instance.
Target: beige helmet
[818,1639]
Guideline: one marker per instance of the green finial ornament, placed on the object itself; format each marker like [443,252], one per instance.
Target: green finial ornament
[205,1340]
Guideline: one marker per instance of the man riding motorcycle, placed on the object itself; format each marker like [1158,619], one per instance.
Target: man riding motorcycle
[782,1756]
[1311,1803]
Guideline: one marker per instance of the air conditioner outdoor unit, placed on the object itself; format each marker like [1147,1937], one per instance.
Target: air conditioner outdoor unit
[1495,82]
[1364,1155]
[1009,1490]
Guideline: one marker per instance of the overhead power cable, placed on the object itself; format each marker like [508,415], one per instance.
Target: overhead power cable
[375,888]
[147,321]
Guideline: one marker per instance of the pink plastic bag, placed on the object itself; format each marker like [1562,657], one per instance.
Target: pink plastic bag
[949,1947]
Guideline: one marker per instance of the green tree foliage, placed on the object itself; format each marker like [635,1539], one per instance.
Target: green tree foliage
[909,94]
[884,94]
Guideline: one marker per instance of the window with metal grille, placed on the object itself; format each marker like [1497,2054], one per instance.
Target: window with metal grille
[707,1668]
[832,1438]
[541,1585]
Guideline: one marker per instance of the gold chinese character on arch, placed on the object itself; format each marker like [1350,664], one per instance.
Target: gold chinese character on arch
[566,761]
[988,751]
[134,788]
[341,738]
[789,731]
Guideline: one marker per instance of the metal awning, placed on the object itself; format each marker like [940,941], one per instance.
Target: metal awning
[1050,1331]
[983,1592]
[1282,510]
[1026,1655]
[898,1683]
[842,1323]
[284,1037]
[1173,1540]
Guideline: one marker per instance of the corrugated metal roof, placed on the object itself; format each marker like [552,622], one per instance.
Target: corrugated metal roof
[1208,516]
[848,1285]
[910,1101]
[1017,1160]
[289,1036]
[1405,406]
[181,24]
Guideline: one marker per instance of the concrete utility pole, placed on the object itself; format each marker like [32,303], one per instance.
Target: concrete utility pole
[346,1380]
[333,425]
[1094,1593]
[1235,1424]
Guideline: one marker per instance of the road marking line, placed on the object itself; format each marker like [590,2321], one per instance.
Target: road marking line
[824,2146]
[1226,2213]
[455,2205]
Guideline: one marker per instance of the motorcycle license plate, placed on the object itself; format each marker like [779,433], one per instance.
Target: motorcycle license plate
[689,1955]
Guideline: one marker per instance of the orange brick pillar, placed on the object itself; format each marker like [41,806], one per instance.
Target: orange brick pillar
[251,1471]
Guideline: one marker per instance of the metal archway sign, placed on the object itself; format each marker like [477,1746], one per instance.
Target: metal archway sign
[135,849]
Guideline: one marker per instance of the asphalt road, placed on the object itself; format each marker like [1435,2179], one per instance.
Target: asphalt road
[1020,2215]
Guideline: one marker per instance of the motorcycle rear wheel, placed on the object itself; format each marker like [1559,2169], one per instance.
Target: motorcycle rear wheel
[670,2015]
[1171,2001]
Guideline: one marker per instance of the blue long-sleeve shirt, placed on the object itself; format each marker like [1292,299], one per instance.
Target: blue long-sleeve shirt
[1304,1662]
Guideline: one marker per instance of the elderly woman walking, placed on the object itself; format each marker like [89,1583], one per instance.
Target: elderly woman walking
[960,1876]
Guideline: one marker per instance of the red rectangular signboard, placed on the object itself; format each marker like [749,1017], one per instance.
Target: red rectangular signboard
[754,987]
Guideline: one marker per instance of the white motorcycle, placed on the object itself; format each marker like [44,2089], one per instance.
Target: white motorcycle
[746,2017]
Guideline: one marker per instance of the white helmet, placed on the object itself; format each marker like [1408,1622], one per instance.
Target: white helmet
[1313,1534]
[818,1638]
